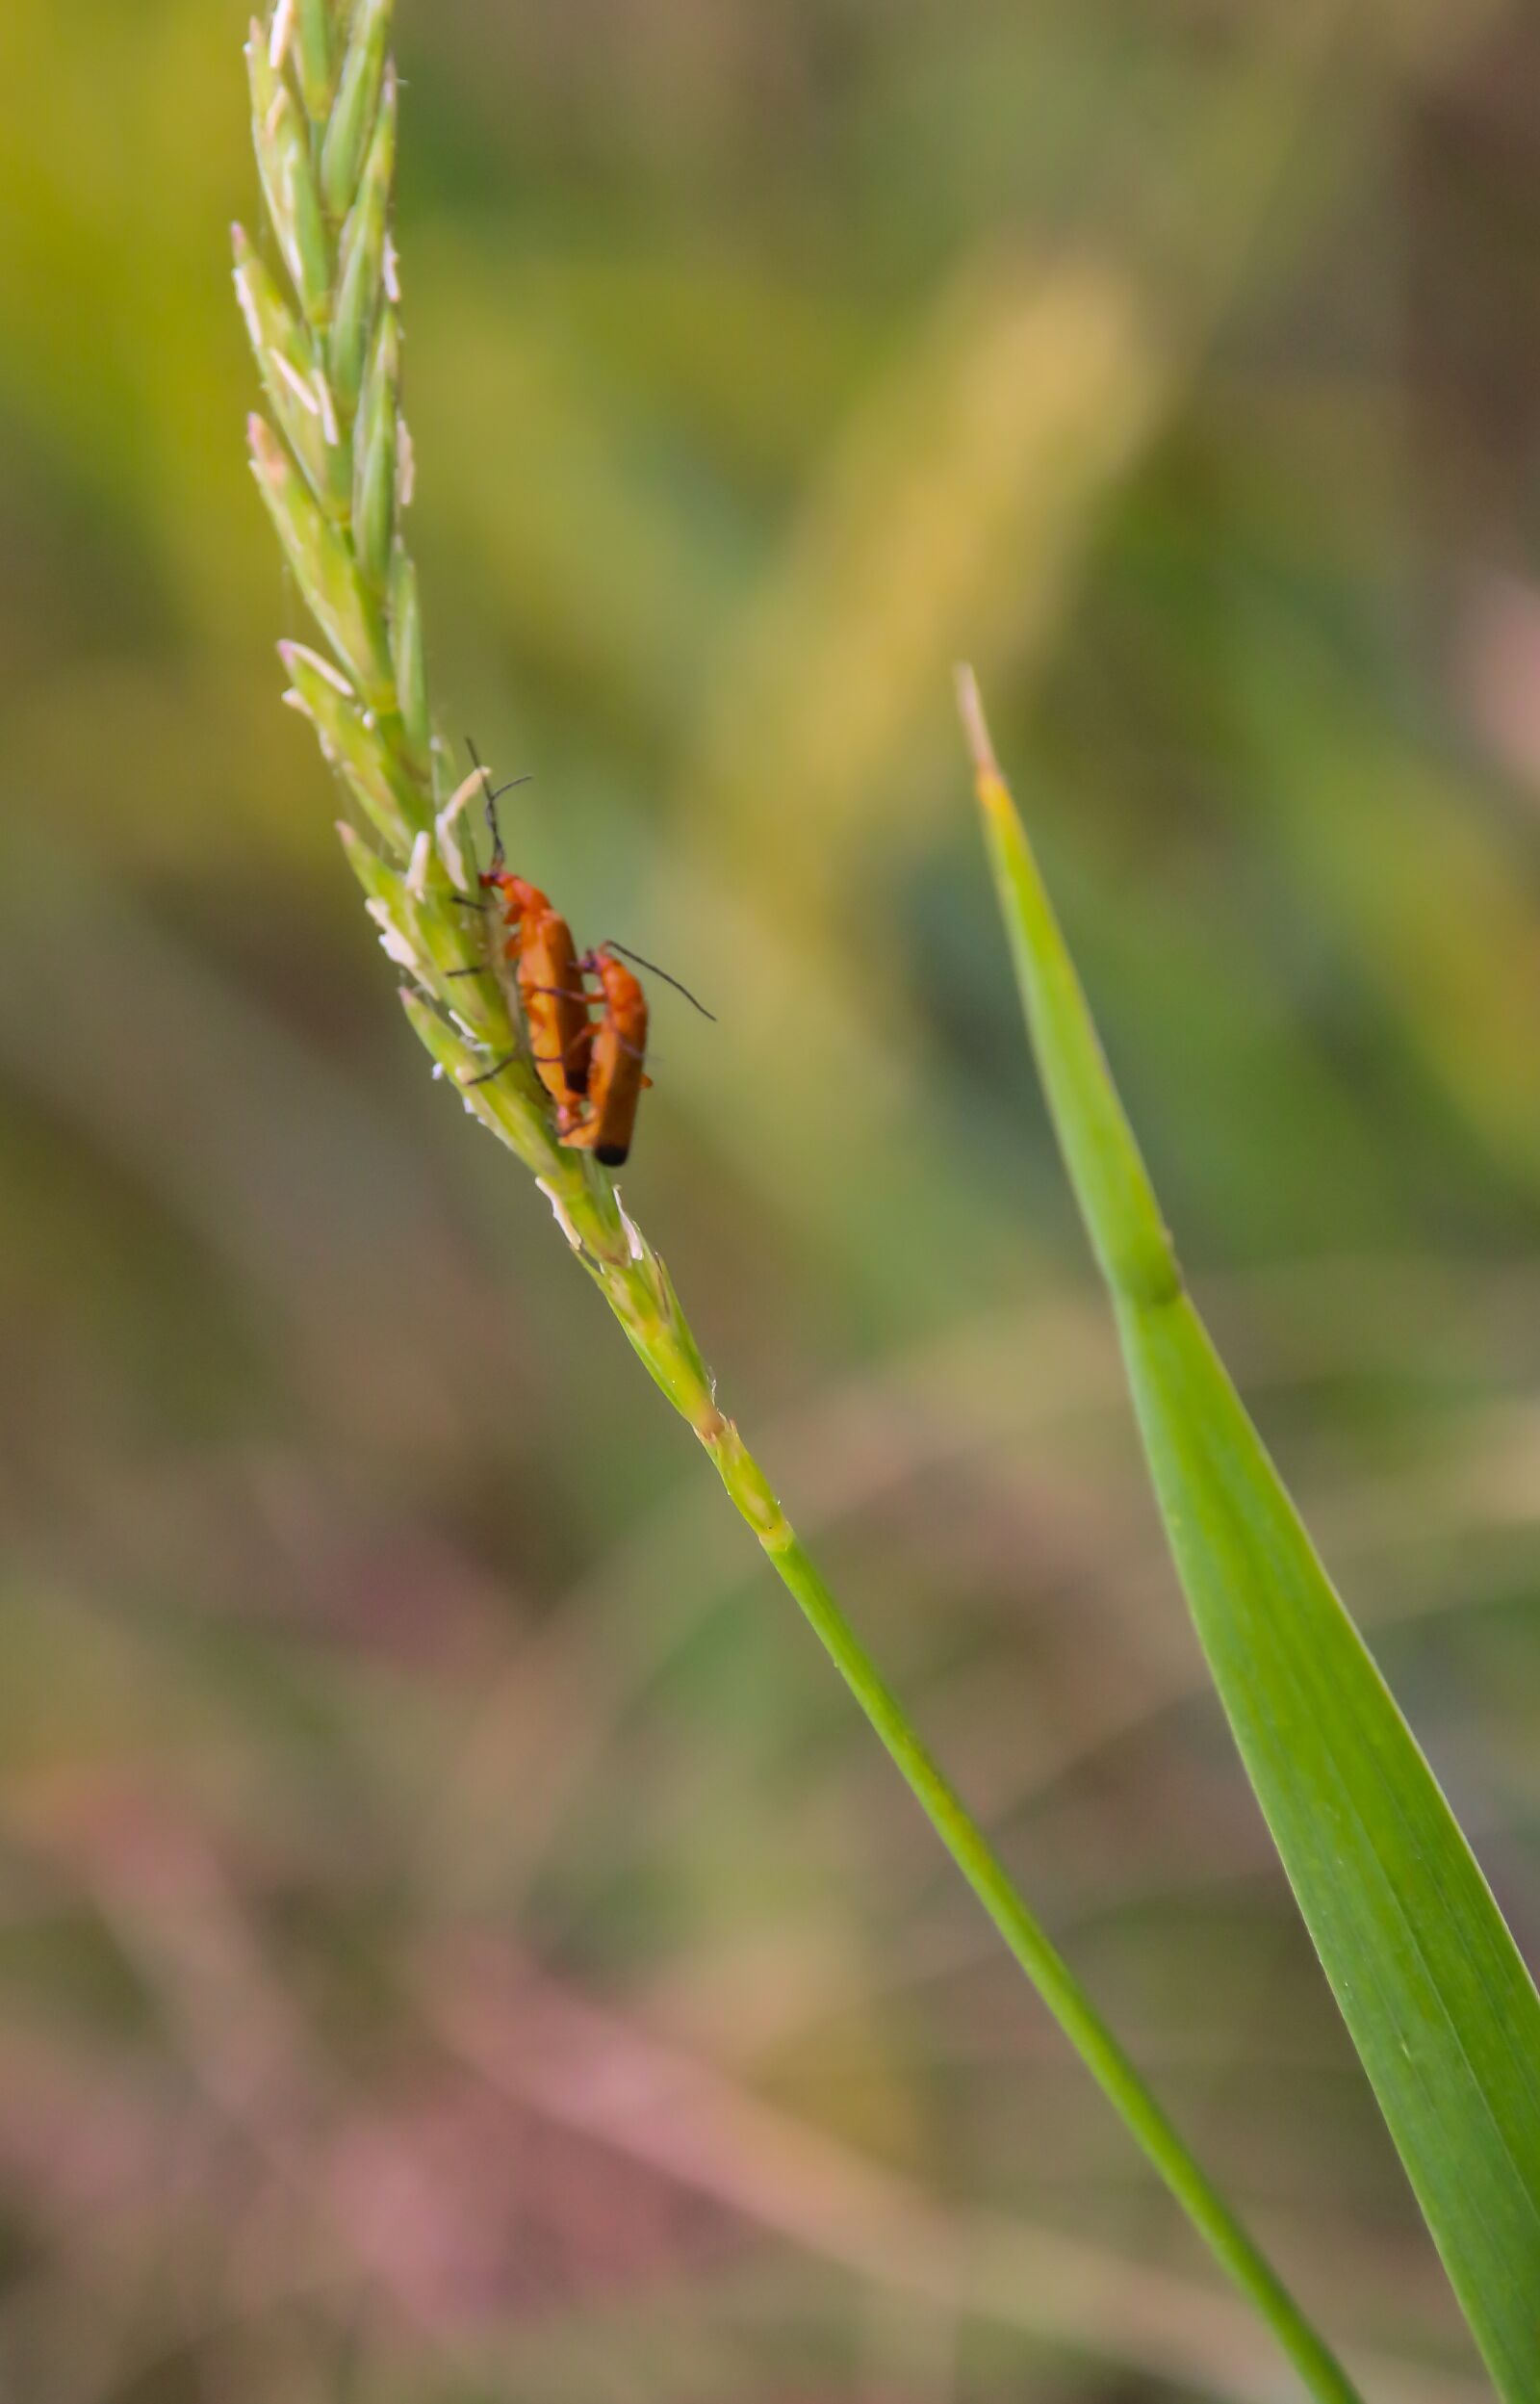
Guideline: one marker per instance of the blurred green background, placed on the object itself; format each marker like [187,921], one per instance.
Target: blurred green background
[455,1942]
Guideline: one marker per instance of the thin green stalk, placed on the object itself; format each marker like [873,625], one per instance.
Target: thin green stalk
[1057,1984]
[333,463]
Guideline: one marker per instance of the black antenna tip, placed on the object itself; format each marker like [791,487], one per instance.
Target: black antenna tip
[653,969]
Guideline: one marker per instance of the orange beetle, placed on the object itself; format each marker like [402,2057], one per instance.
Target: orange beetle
[593,1073]
[550,988]
[603,1123]
[538,943]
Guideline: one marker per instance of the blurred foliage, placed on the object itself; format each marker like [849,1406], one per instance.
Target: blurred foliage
[429,1959]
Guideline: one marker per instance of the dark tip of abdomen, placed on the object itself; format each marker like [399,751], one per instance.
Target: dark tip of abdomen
[612,1155]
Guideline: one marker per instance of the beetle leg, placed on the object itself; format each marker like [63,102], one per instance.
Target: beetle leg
[487,1075]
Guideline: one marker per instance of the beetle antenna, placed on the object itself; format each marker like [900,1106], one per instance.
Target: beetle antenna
[498,854]
[652,968]
[494,794]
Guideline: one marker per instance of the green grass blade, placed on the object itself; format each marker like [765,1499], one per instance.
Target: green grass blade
[1435,1994]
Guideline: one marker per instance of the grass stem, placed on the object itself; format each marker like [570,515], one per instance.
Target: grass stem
[333,466]
[1114,2072]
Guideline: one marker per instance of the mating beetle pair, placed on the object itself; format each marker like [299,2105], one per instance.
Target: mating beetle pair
[593,1073]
